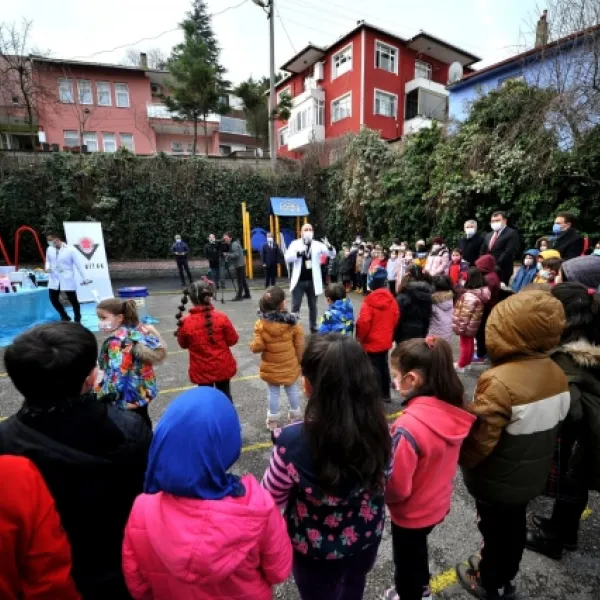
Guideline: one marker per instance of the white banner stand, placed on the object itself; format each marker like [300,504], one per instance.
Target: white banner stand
[87,239]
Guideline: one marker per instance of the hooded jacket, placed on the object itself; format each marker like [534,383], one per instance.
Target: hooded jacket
[440,324]
[338,318]
[210,360]
[525,275]
[92,457]
[415,304]
[426,442]
[36,556]
[487,265]
[377,320]
[280,338]
[519,403]
[193,549]
[468,311]
[585,269]
[580,362]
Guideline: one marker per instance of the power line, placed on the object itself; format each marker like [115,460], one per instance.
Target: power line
[148,39]
[285,29]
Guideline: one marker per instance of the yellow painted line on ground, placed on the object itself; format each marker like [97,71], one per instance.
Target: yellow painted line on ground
[3,374]
[191,387]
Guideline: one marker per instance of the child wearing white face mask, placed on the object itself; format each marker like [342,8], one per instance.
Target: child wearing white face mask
[127,357]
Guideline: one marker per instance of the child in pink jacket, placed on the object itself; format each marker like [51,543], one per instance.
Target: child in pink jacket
[199,532]
[426,442]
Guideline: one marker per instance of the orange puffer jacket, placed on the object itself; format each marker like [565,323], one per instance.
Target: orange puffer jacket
[280,338]
[469,311]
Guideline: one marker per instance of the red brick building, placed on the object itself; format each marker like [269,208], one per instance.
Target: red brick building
[369,77]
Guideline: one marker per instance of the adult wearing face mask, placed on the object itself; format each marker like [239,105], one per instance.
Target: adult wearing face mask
[61,263]
[470,244]
[305,256]
[181,250]
[212,253]
[503,244]
[568,241]
[270,257]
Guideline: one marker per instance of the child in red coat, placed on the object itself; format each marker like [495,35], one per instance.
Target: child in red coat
[208,335]
[375,327]
[36,555]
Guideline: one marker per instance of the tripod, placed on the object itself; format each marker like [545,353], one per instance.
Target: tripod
[231,278]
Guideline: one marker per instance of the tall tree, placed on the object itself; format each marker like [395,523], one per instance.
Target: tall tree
[198,79]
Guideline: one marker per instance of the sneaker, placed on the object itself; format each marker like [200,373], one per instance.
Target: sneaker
[471,581]
[480,361]
[294,415]
[460,369]
[273,421]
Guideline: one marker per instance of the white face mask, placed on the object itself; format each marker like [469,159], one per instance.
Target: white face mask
[106,325]
[469,231]
[307,236]
[528,262]
[270,240]
[497,226]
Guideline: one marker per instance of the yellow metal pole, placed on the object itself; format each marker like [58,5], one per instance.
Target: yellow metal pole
[250,262]
[305,220]
[244,231]
[272,227]
[277,237]
[297,227]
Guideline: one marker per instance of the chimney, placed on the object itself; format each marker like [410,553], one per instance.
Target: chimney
[541,32]
[143,61]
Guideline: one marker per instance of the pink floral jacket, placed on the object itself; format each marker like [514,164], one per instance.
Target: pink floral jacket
[321,525]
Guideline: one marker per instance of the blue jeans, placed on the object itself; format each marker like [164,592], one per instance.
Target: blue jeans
[292,394]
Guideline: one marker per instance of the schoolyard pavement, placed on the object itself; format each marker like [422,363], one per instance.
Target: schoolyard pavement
[576,576]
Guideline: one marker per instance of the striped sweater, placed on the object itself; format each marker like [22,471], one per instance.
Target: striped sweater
[320,525]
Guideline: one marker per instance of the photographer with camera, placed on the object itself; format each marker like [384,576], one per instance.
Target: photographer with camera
[237,259]
[305,255]
[212,253]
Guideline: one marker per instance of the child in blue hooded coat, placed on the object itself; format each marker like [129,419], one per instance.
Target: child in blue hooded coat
[526,274]
[339,317]
[198,531]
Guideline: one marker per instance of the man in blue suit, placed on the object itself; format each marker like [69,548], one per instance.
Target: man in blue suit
[271,255]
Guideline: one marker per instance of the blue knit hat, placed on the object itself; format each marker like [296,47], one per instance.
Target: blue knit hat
[378,278]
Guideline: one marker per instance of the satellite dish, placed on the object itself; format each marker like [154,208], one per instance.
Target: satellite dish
[455,72]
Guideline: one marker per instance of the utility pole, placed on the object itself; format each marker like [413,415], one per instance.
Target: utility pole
[269,7]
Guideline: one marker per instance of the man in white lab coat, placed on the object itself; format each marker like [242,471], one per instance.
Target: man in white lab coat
[61,262]
[305,256]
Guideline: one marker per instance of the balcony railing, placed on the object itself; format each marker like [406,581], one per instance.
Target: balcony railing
[232,125]
[226,124]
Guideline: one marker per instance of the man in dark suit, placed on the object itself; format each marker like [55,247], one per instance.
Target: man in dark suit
[503,244]
[568,241]
[271,254]
[470,245]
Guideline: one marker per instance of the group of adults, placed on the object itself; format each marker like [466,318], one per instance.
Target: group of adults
[504,243]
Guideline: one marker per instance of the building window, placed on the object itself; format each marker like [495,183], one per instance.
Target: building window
[386,57]
[90,139]
[71,139]
[412,104]
[286,91]
[15,100]
[231,125]
[122,95]
[283,137]
[65,91]
[224,150]
[341,108]
[127,141]
[341,62]
[385,104]
[426,104]
[103,90]
[422,69]
[84,89]
[109,142]
[176,147]
[320,113]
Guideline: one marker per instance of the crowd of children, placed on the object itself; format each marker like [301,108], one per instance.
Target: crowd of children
[160,515]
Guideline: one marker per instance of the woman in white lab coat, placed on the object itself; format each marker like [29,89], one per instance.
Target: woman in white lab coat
[61,262]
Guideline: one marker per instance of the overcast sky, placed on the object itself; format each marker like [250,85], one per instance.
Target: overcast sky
[491,29]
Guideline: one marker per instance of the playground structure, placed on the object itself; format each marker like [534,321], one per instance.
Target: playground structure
[279,207]
[20,230]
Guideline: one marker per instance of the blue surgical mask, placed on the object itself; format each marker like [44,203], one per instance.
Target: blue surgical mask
[539,266]
[597,252]
[556,229]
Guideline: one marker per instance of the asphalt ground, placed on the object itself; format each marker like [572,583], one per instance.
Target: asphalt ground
[576,576]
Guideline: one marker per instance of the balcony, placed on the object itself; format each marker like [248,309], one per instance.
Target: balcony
[162,120]
[426,102]
[307,121]
[311,93]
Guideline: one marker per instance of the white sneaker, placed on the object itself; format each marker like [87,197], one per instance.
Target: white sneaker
[295,415]
[460,369]
[273,421]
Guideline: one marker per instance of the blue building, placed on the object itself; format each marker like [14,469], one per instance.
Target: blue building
[559,64]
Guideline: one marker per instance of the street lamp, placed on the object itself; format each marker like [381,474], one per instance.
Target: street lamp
[269,7]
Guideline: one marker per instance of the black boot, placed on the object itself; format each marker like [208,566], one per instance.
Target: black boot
[547,526]
[544,543]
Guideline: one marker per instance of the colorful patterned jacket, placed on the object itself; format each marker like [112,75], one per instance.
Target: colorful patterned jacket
[338,318]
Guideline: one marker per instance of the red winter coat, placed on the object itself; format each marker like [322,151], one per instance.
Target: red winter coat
[377,320]
[487,265]
[34,550]
[210,360]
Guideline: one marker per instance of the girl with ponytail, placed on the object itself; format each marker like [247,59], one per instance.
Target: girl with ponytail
[208,336]
[127,357]
[426,441]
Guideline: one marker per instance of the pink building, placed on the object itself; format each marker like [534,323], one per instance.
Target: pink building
[102,107]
